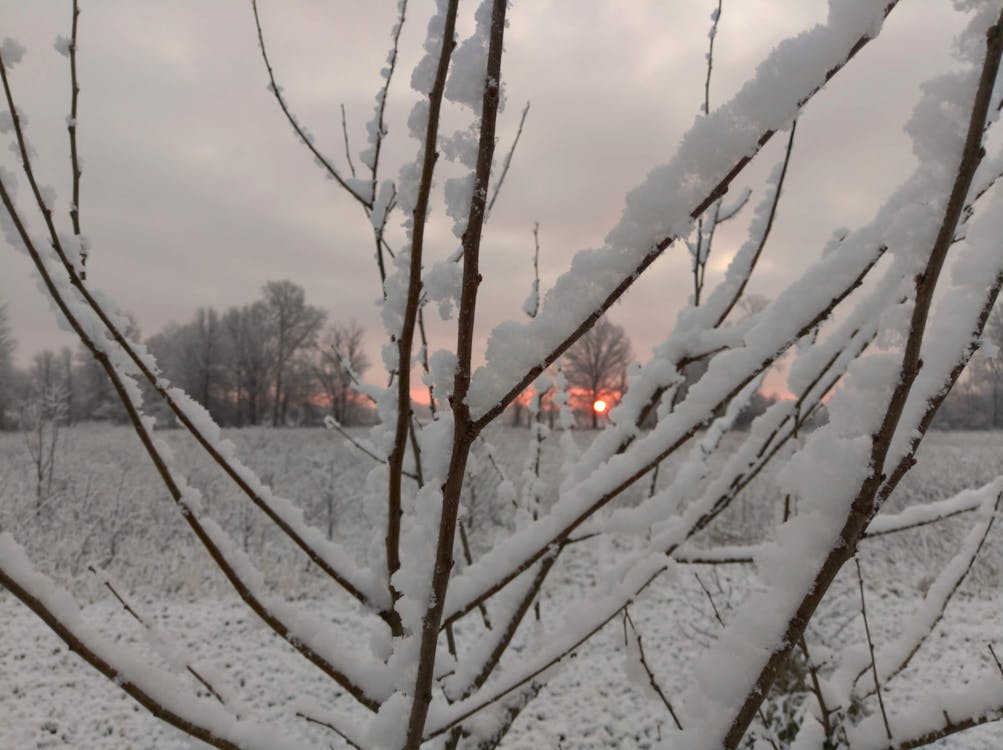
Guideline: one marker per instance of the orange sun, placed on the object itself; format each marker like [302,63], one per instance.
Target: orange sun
[599,406]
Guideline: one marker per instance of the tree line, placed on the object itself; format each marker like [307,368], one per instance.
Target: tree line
[277,360]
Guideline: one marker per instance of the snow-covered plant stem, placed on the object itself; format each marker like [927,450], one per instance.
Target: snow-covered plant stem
[464,432]
[867,498]
[426,679]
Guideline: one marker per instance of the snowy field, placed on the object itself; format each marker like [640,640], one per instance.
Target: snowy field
[106,509]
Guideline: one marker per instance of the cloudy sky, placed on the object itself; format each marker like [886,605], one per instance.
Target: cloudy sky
[195,191]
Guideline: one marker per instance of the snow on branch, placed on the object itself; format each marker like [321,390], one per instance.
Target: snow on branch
[716,149]
[896,656]
[796,312]
[945,712]
[832,474]
[330,557]
[153,688]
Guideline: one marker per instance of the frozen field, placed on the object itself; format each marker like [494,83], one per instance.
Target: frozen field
[105,508]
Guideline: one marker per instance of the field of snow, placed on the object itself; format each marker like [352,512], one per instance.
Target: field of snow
[105,508]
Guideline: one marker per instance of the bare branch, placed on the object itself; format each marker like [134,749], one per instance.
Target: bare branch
[71,127]
[327,724]
[344,132]
[406,338]
[716,19]
[508,161]
[209,535]
[306,138]
[652,681]
[463,432]
[147,686]
[870,648]
[864,503]
[187,413]
[649,257]
[204,681]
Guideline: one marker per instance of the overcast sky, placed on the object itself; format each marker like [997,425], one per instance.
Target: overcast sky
[195,191]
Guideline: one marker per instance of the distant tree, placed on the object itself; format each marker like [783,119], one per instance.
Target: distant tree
[299,392]
[7,373]
[41,415]
[340,355]
[193,355]
[249,357]
[97,397]
[204,352]
[69,382]
[987,371]
[597,363]
[294,324]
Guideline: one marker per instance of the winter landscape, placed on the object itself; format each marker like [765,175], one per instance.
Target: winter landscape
[728,479]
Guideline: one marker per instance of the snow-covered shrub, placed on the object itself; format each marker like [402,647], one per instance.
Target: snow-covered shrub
[877,323]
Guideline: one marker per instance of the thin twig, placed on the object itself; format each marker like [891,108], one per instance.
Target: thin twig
[816,688]
[716,18]
[344,132]
[382,97]
[328,725]
[508,161]
[710,598]
[996,659]
[71,127]
[307,140]
[138,618]
[405,340]
[536,272]
[238,473]
[628,620]
[870,647]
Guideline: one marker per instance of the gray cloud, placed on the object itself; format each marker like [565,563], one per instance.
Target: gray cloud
[195,191]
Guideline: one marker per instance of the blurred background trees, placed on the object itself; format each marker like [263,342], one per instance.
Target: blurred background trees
[269,361]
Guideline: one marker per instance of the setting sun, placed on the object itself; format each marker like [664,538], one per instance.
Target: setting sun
[599,406]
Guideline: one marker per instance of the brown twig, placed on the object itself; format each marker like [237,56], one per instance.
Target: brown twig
[463,430]
[508,161]
[652,255]
[870,648]
[344,133]
[219,557]
[138,618]
[652,681]
[866,502]
[999,665]
[504,578]
[71,127]
[405,340]
[328,725]
[710,57]
[276,90]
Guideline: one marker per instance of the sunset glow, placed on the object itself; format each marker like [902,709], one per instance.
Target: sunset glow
[599,406]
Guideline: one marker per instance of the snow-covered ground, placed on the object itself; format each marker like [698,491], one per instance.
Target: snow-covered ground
[107,509]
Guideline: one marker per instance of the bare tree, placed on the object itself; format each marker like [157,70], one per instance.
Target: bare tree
[340,362]
[422,683]
[294,324]
[7,346]
[597,364]
[987,370]
[250,357]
